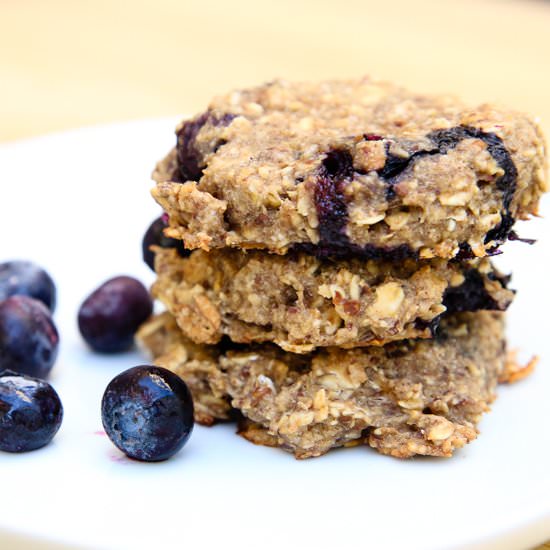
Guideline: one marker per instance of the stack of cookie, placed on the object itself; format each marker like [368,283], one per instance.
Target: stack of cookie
[337,287]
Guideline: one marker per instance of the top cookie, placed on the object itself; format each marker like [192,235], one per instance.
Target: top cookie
[344,168]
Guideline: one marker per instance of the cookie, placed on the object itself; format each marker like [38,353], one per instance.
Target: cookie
[300,302]
[410,397]
[351,168]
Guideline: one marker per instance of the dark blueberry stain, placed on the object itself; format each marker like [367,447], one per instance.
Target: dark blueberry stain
[190,160]
[218,145]
[493,251]
[330,203]
[432,325]
[225,120]
[394,253]
[175,176]
[396,165]
[471,295]
[465,252]
[513,236]
[500,232]
[448,139]
[337,168]
[338,165]
[348,251]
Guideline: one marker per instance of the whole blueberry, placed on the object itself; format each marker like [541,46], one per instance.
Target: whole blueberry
[110,316]
[28,279]
[30,412]
[154,236]
[147,412]
[29,340]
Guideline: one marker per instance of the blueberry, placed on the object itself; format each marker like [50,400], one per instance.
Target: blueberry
[28,279]
[190,158]
[330,200]
[147,412]
[30,412]
[155,236]
[29,341]
[111,315]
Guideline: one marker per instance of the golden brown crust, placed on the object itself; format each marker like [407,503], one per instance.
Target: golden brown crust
[255,433]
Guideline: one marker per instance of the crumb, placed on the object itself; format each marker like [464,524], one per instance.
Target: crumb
[514,371]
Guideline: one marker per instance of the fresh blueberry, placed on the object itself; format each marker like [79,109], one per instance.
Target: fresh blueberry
[30,412]
[111,315]
[147,412]
[28,279]
[154,236]
[29,341]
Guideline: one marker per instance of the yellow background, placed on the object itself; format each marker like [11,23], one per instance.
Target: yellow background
[68,63]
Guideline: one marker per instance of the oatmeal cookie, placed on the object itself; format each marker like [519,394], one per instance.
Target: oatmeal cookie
[406,398]
[343,168]
[300,302]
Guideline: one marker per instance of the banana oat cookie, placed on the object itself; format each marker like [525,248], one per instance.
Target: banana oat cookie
[343,168]
[406,398]
[300,302]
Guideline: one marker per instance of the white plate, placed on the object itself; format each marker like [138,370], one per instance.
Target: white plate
[78,203]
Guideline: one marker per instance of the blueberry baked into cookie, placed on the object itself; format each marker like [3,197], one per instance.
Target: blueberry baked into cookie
[324,262]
